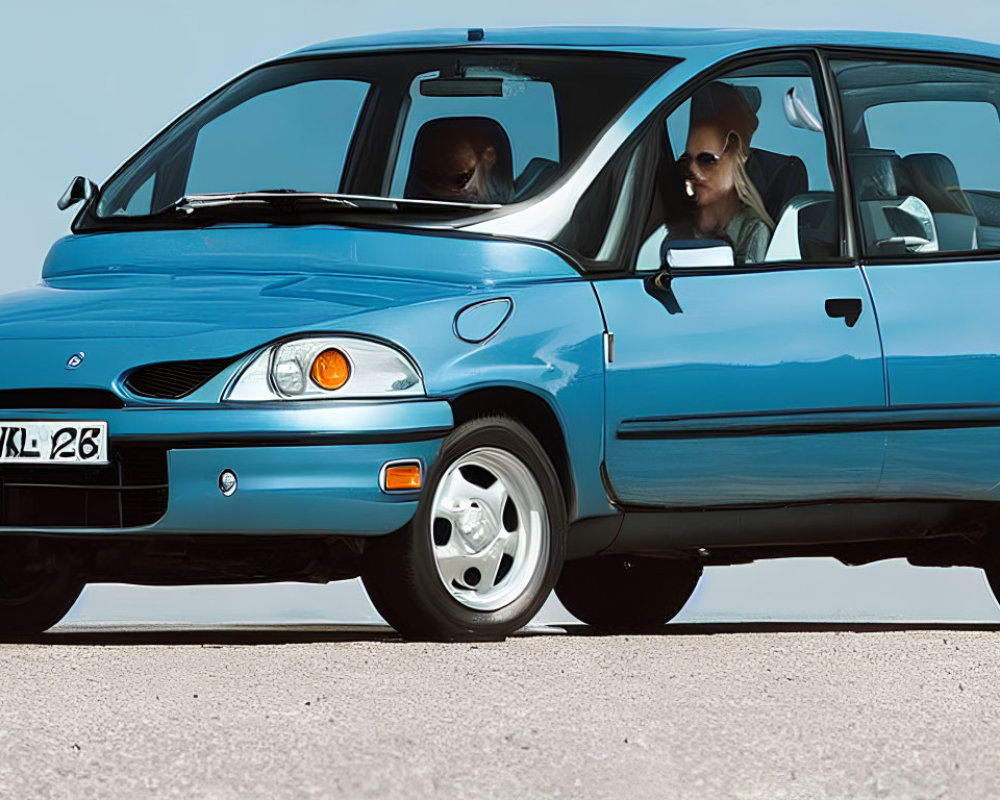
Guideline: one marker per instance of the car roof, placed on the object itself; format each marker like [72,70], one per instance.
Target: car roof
[652,41]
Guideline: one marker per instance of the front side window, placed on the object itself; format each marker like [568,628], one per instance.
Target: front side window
[438,133]
[746,166]
[921,145]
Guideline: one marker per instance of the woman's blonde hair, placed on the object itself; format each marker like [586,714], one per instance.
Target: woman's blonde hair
[745,190]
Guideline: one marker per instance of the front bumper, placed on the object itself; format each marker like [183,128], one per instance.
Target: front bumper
[301,469]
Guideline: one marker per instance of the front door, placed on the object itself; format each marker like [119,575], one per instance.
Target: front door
[754,382]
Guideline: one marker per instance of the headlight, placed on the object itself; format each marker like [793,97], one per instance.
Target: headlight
[327,368]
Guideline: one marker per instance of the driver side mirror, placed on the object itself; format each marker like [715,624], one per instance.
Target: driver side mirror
[693,254]
[678,256]
[80,189]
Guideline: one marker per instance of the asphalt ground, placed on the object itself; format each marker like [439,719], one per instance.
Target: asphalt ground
[697,711]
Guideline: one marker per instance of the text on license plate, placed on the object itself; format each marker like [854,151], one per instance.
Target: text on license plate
[53,442]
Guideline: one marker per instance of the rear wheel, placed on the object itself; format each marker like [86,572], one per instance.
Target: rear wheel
[627,593]
[35,597]
[485,546]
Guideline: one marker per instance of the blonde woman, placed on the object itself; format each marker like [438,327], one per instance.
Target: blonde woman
[727,206]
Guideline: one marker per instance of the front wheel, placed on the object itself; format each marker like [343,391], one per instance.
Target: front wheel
[486,544]
[35,597]
[627,593]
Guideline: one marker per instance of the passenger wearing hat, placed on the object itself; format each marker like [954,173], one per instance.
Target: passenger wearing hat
[728,206]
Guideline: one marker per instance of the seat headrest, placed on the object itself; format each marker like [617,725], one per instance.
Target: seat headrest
[933,178]
[876,174]
[777,177]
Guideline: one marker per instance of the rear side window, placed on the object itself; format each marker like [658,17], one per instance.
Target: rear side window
[922,143]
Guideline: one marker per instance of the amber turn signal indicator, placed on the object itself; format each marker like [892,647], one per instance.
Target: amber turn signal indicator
[401,477]
[330,370]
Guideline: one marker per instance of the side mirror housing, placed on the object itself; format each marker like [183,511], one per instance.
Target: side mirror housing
[80,189]
[695,253]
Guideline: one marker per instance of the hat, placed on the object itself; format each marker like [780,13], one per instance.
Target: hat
[729,106]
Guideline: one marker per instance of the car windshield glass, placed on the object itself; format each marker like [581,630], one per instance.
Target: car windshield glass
[463,130]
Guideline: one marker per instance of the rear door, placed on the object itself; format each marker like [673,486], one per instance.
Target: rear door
[923,136]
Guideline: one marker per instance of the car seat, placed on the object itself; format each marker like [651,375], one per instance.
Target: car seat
[807,229]
[537,175]
[933,178]
[892,222]
[777,177]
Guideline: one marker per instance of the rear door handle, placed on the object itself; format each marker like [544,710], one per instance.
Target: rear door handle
[845,308]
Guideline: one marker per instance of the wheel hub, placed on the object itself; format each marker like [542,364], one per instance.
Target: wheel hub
[475,524]
[490,528]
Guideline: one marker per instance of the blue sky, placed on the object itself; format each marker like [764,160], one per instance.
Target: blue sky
[85,85]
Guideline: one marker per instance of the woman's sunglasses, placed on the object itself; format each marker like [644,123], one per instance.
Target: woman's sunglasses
[457,180]
[705,159]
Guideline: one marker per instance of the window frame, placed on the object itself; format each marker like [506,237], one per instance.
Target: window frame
[829,108]
[338,85]
[376,129]
[907,56]
[88,220]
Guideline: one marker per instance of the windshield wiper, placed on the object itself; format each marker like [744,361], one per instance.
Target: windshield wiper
[292,202]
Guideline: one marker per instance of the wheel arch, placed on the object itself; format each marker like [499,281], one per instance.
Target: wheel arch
[536,414]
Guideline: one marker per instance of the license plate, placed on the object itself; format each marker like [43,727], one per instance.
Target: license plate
[53,442]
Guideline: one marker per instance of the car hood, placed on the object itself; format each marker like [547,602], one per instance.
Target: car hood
[127,299]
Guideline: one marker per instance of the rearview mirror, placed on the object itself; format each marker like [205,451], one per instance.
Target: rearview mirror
[80,188]
[462,87]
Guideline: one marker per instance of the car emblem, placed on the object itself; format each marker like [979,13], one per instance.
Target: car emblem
[75,360]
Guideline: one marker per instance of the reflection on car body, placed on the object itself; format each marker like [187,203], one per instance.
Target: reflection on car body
[478,314]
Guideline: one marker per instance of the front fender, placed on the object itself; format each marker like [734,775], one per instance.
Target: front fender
[552,345]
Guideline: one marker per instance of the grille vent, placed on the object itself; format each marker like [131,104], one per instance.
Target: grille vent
[171,380]
[129,492]
[59,398]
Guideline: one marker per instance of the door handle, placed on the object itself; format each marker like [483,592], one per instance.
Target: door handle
[845,308]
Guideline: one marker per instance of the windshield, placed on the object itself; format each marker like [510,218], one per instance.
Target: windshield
[467,127]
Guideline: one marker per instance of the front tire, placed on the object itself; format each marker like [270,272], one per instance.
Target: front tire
[627,593]
[487,542]
[35,597]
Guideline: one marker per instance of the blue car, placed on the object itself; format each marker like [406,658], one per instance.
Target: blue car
[478,314]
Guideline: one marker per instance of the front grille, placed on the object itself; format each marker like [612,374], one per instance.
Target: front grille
[171,380]
[59,398]
[129,492]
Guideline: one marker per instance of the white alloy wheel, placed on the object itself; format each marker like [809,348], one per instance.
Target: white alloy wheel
[485,545]
[490,529]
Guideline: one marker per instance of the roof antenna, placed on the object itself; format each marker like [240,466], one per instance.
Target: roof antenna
[476,34]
